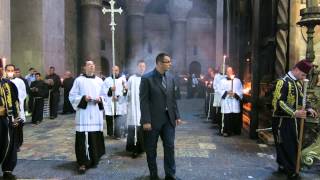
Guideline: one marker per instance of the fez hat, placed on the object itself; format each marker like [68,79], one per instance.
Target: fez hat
[304,66]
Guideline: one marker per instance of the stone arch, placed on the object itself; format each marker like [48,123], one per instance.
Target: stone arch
[105,66]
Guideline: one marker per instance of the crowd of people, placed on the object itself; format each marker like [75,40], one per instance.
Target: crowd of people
[141,109]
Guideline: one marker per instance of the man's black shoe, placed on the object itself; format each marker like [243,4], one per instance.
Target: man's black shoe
[53,117]
[281,170]
[9,176]
[154,177]
[172,178]
[293,176]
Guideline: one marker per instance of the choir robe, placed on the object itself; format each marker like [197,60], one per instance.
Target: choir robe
[117,110]
[134,138]
[231,106]
[39,91]
[89,144]
[22,94]
[216,117]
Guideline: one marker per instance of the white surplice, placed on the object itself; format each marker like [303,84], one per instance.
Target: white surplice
[22,92]
[230,104]
[91,118]
[134,113]
[121,103]
[216,85]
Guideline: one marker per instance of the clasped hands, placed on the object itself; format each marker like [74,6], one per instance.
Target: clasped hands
[231,93]
[90,99]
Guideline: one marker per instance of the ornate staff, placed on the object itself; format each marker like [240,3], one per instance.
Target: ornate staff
[305,86]
[112,11]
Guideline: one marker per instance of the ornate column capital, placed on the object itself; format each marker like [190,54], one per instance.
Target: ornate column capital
[179,9]
[136,7]
[91,2]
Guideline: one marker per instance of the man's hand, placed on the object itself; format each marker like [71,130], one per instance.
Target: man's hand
[113,88]
[88,98]
[98,100]
[312,112]
[147,127]
[231,93]
[114,98]
[179,122]
[300,114]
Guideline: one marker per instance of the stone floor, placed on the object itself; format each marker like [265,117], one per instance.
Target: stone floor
[48,153]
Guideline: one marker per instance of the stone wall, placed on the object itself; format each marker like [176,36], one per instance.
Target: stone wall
[53,38]
[27,34]
[72,35]
[5,34]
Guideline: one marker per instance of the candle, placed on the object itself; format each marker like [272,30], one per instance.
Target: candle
[4,62]
[232,77]
[224,65]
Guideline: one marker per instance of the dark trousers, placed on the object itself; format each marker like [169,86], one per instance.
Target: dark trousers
[286,143]
[167,134]
[37,111]
[8,148]
[54,102]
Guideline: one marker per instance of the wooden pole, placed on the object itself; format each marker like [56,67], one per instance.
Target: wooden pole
[305,86]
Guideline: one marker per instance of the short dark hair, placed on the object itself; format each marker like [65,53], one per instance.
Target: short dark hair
[52,67]
[10,65]
[141,61]
[160,57]
[38,74]
[17,69]
[30,69]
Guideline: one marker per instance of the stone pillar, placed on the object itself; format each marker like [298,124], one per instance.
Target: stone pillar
[219,34]
[135,12]
[178,10]
[90,32]
[5,40]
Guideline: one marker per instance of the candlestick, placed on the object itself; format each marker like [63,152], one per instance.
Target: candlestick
[224,65]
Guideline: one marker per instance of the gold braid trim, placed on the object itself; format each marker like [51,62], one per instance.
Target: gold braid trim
[286,108]
[290,99]
[277,94]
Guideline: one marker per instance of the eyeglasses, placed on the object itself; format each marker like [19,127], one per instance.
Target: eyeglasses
[165,62]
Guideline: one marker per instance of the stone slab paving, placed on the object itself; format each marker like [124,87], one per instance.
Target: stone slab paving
[48,153]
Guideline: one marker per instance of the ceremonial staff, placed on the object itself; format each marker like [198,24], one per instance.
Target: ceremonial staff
[305,86]
[112,11]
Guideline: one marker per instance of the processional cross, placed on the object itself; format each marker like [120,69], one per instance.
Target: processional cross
[112,11]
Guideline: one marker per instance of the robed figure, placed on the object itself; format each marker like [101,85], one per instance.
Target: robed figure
[115,92]
[54,83]
[86,100]
[135,138]
[67,85]
[39,90]
[232,92]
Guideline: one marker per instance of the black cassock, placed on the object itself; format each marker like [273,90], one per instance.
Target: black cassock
[67,85]
[39,91]
[54,94]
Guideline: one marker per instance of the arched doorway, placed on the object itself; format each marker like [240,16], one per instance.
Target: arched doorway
[105,67]
[195,68]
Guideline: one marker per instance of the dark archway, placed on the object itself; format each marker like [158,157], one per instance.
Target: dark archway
[105,66]
[195,68]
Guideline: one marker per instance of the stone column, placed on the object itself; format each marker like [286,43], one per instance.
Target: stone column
[135,12]
[178,10]
[219,34]
[5,40]
[90,32]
